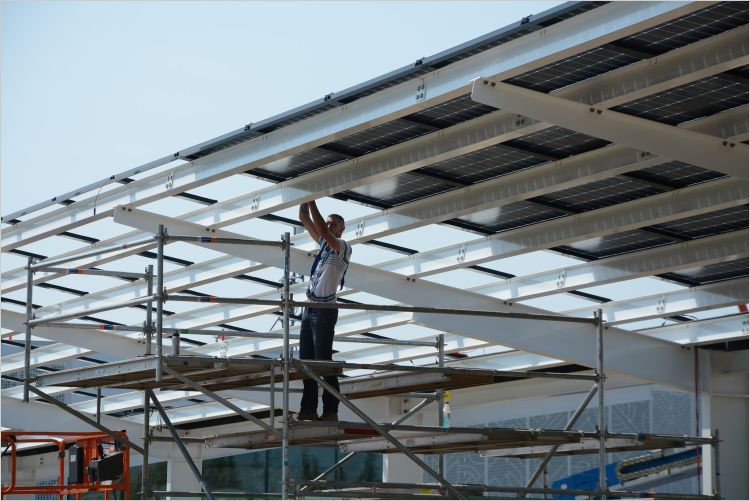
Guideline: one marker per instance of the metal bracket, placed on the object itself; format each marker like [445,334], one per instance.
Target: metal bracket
[661,304]
[461,254]
[421,91]
[170,181]
[255,204]
[561,278]
[360,228]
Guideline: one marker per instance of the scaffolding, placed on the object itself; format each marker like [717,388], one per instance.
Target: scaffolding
[209,375]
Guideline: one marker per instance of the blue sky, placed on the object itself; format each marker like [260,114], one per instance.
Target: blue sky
[93,88]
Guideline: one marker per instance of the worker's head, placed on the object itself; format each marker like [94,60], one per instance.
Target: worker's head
[336,224]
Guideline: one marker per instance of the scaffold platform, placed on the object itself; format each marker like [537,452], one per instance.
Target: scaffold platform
[216,374]
[507,442]
[210,372]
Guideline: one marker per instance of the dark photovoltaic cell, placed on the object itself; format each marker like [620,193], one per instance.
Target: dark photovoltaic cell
[677,174]
[690,28]
[301,163]
[485,164]
[379,137]
[452,112]
[711,273]
[509,216]
[599,194]
[613,245]
[401,189]
[690,101]
[704,225]
[557,142]
[573,69]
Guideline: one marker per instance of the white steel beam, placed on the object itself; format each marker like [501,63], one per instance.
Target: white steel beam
[575,35]
[712,55]
[627,353]
[664,259]
[665,140]
[657,209]
[681,302]
[495,193]
[97,341]
[698,332]
[43,355]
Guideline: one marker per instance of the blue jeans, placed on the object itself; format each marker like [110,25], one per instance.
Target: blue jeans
[316,343]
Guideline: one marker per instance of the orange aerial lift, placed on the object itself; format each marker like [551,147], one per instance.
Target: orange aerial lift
[95,463]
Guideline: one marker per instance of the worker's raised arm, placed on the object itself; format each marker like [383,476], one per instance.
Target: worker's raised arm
[322,226]
[304,217]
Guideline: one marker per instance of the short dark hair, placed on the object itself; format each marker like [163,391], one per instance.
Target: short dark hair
[338,219]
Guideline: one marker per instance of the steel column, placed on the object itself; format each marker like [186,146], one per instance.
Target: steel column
[600,388]
[146,442]
[285,358]
[27,338]
[99,404]
[160,238]
[441,398]
[148,329]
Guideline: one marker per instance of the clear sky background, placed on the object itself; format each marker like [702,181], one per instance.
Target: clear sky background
[93,88]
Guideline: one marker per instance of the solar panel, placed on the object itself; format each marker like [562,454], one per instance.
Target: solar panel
[690,101]
[600,194]
[676,174]
[690,28]
[379,137]
[573,69]
[486,163]
[703,225]
[711,273]
[302,163]
[557,142]
[401,189]
[509,216]
[452,112]
[613,245]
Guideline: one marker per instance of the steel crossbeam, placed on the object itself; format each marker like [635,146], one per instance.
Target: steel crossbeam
[711,330]
[668,360]
[680,302]
[100,342]
[665,259]
[670,206]
[651,210]
[667,141]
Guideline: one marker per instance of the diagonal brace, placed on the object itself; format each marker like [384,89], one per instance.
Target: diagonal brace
[85,419]
[346,458]
[180,444]
[378,428]
[223,401]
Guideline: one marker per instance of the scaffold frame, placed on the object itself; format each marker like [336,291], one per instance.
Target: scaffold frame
[150,372]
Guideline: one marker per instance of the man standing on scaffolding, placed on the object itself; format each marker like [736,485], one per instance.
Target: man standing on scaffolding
[318,324]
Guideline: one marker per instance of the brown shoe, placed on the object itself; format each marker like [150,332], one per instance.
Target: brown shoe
[329,416]
[307,416]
